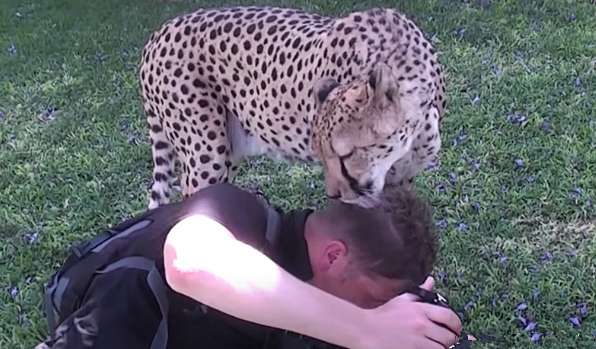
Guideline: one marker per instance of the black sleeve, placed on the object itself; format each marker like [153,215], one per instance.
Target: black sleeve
[241,212]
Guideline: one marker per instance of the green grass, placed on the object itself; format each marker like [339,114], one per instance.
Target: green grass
[509,234]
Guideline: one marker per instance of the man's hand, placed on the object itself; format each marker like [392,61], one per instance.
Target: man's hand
[405,323]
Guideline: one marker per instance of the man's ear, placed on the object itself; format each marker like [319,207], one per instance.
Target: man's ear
[335,257]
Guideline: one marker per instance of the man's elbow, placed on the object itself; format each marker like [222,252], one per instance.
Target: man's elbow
[192,249]
[176,276]
[182,278]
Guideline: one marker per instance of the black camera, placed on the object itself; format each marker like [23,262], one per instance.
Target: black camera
[435,298]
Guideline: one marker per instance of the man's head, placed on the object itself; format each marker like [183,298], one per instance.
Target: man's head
[369,255]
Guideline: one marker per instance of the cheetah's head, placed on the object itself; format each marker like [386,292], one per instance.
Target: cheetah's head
[355,133]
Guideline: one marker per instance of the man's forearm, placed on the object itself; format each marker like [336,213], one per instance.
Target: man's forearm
[205,262]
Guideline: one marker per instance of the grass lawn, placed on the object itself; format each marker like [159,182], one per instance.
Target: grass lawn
[514,195]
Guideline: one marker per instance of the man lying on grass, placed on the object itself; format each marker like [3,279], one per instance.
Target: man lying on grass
[240,275]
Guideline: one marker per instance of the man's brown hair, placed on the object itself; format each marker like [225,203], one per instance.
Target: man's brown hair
[396,239]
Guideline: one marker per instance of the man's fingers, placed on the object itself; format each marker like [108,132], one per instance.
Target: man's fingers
[430,344]
[443,316]
[441,335]
[428,284]
[406,297]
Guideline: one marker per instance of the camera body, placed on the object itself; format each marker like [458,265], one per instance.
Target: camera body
[437,299]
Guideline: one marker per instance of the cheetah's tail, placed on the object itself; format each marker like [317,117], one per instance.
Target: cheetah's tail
[163,161]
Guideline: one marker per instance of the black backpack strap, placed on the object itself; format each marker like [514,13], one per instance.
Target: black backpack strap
[273,216]
[99,242]
[58,284]
[49,304]
[157,285]
[53,297]
[273,224]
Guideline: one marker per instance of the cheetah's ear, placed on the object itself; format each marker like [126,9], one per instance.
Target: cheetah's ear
[323,88]
[382,81]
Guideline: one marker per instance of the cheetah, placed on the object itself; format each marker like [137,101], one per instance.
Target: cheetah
[361,95]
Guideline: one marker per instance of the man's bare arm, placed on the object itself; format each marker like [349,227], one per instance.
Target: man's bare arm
[204,261]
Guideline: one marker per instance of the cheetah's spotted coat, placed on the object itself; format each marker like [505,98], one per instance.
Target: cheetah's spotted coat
[363,95]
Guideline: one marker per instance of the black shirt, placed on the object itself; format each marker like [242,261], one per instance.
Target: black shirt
[278,235]
[120,308]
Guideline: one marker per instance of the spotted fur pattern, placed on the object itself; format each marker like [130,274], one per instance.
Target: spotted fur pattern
[362,95]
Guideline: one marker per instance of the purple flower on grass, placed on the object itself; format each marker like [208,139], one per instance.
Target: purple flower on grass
[546,126]
[494,301]
[519,163]
[461,138]
[442,224]
[583,310]
[441,188]
[530,326]
[575,321]
[576,192]
[132,139]
[31,237]
[502,259]
[536,336]
[484,4]
[517,118]
[100,57]
[578,82]
[476,206]
[523,322]
[48,115]
[522,306]
[546,257]
[14,292]
[433,166]
[476,100]
[474,164]
[462,226]
[452,178]
[459,32]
